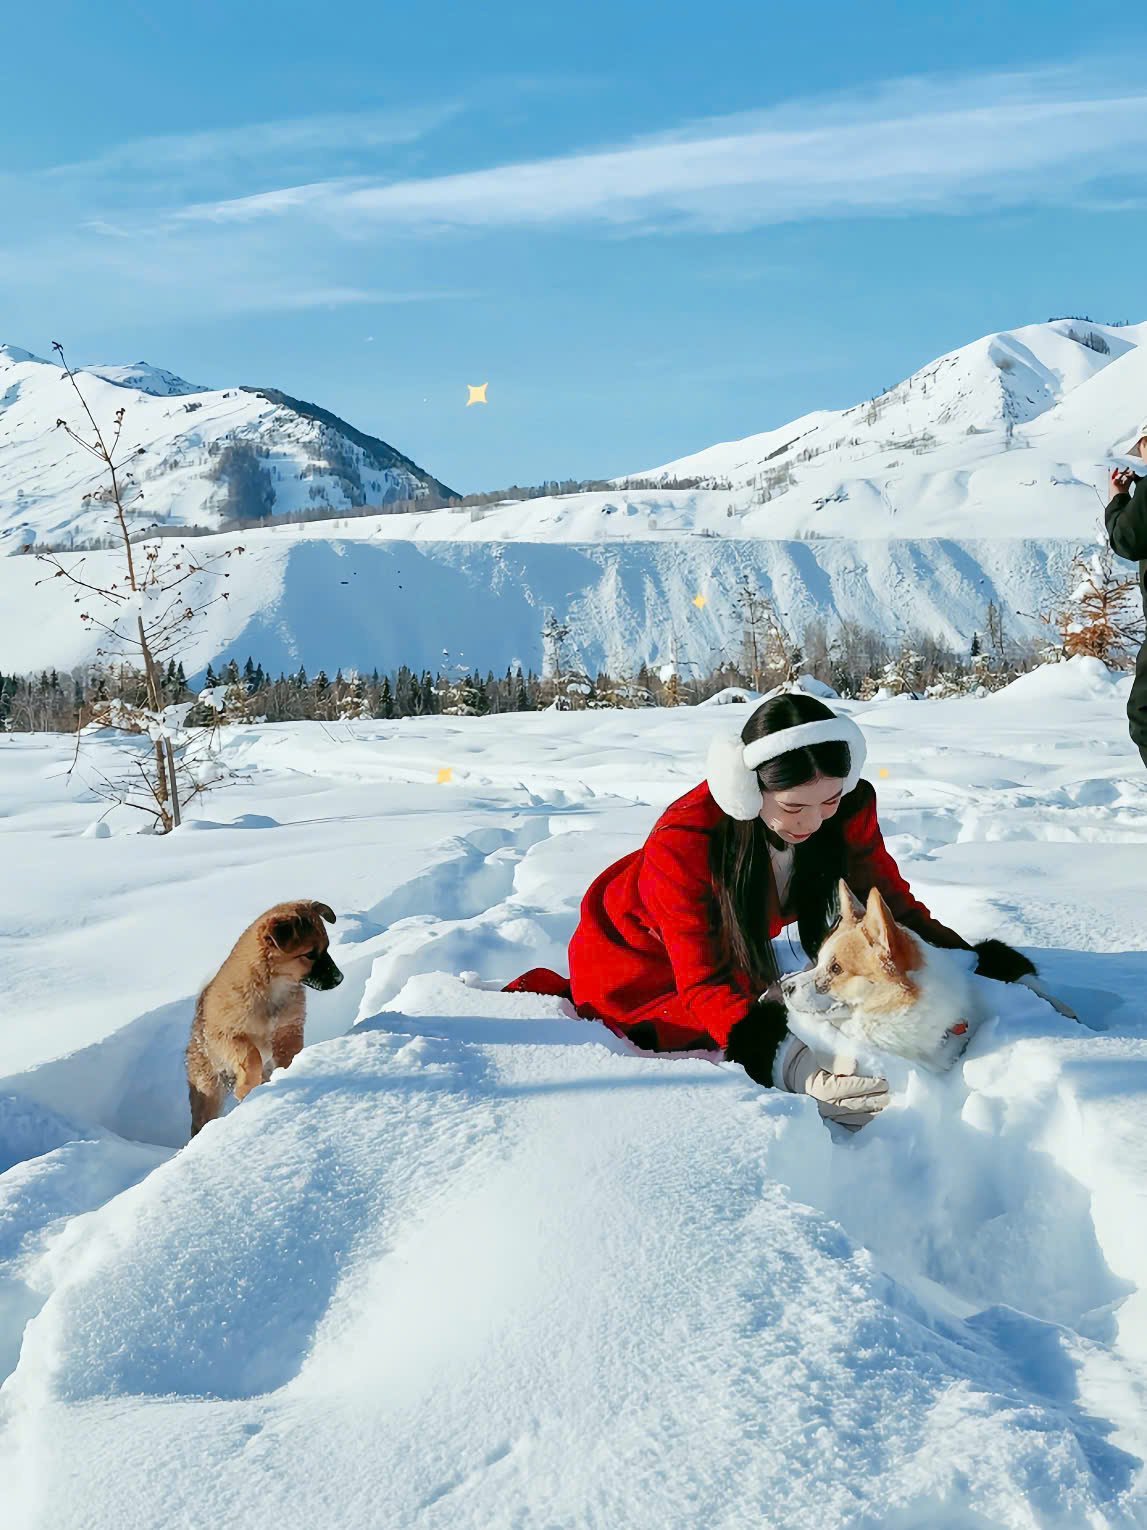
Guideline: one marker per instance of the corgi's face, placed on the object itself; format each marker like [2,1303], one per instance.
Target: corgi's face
[295,940]
[866,963]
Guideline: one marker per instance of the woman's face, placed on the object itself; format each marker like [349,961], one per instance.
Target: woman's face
[799,811]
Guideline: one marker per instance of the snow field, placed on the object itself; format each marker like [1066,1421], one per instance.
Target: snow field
[473,1262]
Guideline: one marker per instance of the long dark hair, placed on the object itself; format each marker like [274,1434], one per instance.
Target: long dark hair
[739,851]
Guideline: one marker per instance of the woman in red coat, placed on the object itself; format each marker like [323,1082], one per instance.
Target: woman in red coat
[674,945]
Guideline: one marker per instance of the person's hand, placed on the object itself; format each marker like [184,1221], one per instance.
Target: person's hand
[850,1098]
[1121,480]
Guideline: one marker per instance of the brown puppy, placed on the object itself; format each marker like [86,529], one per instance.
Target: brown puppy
[249,1018]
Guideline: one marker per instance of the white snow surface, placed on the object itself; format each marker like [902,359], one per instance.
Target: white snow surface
[471,1262]
[977,479]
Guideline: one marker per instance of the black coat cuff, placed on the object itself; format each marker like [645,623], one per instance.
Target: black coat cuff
[1002,962]
[753,1041]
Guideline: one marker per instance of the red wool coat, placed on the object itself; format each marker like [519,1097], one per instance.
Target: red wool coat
[644,948]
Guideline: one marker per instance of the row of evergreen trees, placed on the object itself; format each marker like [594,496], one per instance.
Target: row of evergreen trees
[60,702]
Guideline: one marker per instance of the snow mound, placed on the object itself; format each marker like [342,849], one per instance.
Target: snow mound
[733,695]
[405,1250]
[1077,679]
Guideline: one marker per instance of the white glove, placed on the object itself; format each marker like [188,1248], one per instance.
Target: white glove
[850,1098]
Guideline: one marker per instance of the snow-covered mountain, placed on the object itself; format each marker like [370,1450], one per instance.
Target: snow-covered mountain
[1011,432]
[975,480]
[208,454]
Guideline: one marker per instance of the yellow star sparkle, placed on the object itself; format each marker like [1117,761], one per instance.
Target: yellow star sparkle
[699,602]
[443,775]
[477,394]
[883,771]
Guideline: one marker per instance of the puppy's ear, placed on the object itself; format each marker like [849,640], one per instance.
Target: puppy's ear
[281,933]
[325,910]
[851,907]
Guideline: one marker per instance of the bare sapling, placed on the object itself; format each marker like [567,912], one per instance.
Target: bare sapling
[144,615]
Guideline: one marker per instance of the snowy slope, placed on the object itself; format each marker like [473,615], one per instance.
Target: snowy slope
[471,1262]
[310,458]
[351,594]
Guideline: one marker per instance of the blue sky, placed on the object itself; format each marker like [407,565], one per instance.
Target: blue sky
[650,226]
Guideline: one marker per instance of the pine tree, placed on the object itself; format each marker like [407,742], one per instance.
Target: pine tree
[1102,617]
[352,703]
[902,674]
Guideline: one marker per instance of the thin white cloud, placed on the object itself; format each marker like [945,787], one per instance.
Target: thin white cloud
[950,145]
[259,142]
[285,298]
[137,238]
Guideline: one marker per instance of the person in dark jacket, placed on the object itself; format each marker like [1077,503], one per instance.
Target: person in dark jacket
[1126,519]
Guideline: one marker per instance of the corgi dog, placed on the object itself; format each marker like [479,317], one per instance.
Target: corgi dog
[249,1018]
[878,990]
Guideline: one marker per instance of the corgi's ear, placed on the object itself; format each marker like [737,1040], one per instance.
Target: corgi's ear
[325,910]
[850,905]
[886,935]
[878,921]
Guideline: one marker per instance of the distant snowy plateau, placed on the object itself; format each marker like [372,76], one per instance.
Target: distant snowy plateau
[976,479]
